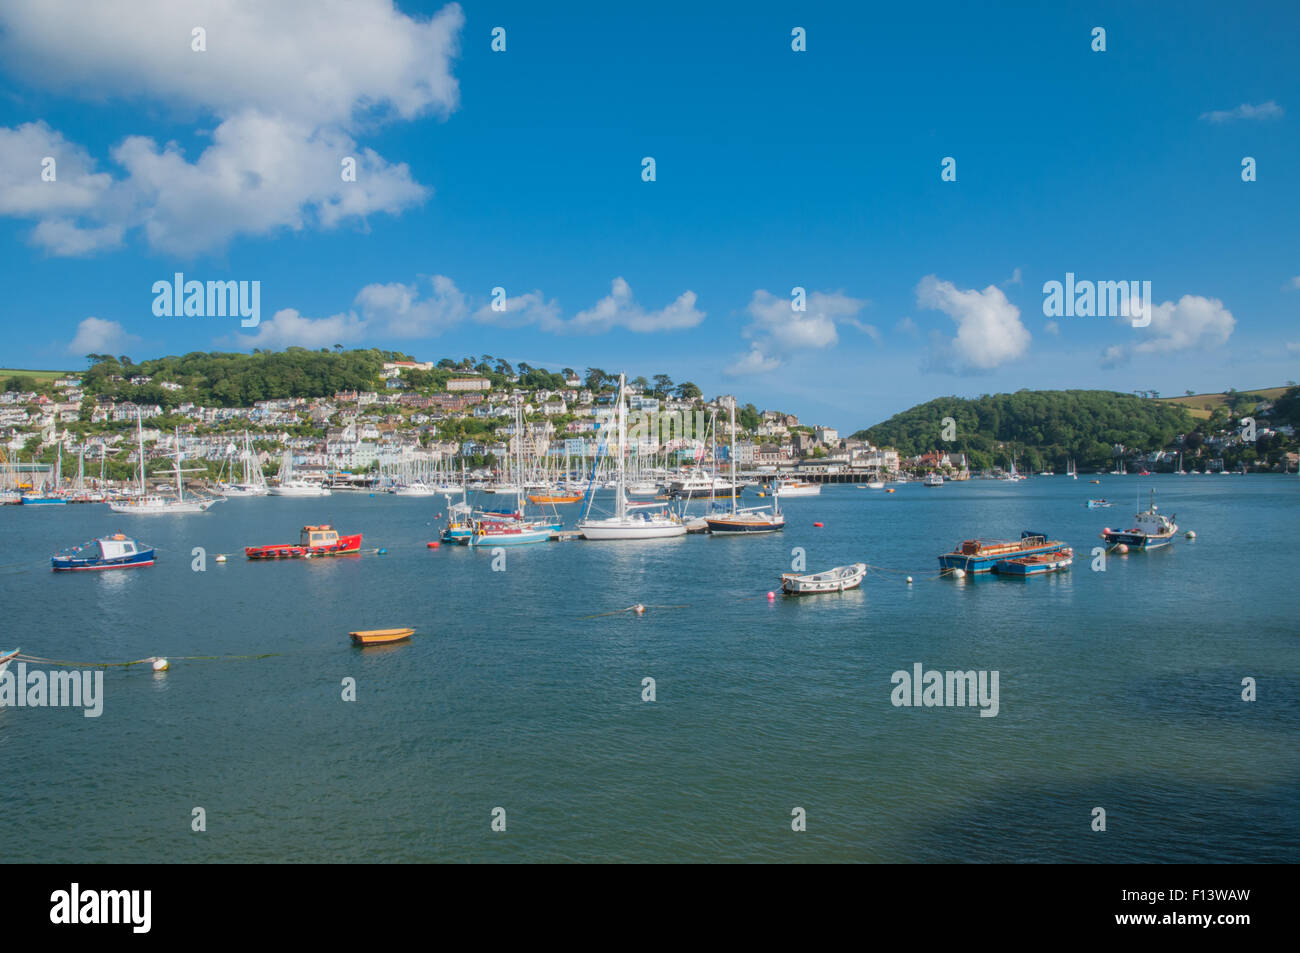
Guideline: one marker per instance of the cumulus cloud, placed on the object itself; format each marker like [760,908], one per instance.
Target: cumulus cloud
[755,362]
[288,328]
[1268,110]
[428,308]
[287,83]
[776,328]
[398,310]
[989,330]
[521,311]
[97,336]
[1193,322]
[618,309]
[1052,328]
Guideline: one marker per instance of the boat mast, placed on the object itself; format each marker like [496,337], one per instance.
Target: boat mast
[732,455]
[139,430]
[620,503]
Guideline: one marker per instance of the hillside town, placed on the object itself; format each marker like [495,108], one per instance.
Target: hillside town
[459,418]
[468,421]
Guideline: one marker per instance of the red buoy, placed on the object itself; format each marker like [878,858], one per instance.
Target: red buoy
[433,545]
[818,525]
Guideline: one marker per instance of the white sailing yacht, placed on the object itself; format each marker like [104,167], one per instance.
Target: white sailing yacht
[290,485]
[747,520]
[629,521]
[155,504]
[253,482]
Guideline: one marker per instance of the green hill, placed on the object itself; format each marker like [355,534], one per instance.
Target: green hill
[1042,428]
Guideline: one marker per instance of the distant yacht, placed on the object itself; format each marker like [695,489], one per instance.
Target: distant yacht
[628,521]
[156,504]
[291,485]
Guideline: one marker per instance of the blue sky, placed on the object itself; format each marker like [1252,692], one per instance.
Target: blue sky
[774,169]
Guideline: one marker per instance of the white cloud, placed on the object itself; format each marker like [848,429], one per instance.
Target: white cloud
[1194,322]
[1052,328]
[1114,356]
[1293,283]
[618,309]
[777,329]
[989,331]
[288,83]
[322,62]
[907,326]
[399,311]
[523,310]
[755,362]
[1268,110]
[97,336]
[288,328]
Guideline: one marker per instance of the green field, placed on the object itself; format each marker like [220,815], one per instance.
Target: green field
[6,373]
[1201,406]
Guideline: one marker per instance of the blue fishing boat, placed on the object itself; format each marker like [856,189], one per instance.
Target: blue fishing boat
[1151,530]
[982,555]
[107,552]
[1037,565]
[6,658]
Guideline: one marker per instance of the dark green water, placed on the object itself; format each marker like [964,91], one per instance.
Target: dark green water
[1119,689]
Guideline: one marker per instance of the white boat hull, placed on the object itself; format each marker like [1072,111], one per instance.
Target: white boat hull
[160,509]
[631,529]
[833,580]
[299,491]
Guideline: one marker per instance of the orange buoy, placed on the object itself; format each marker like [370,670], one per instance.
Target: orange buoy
[432,545]
[818,525]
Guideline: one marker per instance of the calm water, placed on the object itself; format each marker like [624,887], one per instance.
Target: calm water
[1118,689]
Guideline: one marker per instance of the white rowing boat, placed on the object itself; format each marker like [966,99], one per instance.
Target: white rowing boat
[833,580]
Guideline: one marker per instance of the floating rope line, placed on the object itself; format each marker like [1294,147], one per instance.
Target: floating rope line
[144,661]
[635,608]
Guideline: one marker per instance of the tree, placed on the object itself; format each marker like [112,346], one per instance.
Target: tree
[663,385]
[688,391]
[596,378]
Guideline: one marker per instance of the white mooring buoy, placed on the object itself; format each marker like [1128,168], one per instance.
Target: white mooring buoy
[160,665]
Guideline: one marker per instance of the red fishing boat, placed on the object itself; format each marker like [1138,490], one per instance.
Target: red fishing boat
[316,541]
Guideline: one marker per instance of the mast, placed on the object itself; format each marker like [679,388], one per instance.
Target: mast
[732,402]
[139,430]
[620,500]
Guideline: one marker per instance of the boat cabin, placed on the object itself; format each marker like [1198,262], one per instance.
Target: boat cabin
[319,535]
[116,547]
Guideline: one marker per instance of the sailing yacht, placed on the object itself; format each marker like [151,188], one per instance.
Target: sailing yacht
[630,521]
[155,504]
[753,519]
[291,485]
[253,482]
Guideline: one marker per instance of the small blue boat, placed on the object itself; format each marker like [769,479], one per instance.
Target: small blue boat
[5,659]
[108,552]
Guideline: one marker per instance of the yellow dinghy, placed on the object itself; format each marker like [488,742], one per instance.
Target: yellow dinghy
[381,636]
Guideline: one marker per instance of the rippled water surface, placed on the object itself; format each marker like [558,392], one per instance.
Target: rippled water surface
[523,689]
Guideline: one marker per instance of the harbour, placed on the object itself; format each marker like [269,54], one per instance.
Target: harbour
[522,686]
